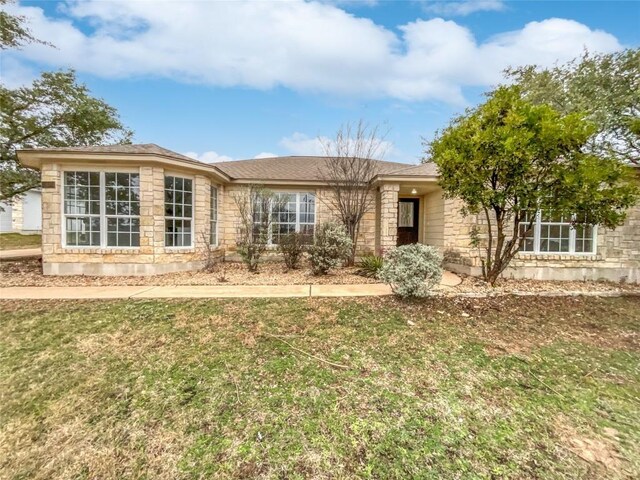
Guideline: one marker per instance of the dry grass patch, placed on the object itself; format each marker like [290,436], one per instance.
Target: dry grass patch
[247,388]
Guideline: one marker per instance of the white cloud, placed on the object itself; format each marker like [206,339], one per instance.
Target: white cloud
[265,155]
[304,145]
[463,8]
[301,144]
[208,157]
[305,46]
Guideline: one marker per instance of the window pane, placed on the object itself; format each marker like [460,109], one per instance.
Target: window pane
[83,231]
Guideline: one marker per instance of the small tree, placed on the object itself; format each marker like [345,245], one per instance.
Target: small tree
[508,158]
[255,222]
[350,166]
[605,87]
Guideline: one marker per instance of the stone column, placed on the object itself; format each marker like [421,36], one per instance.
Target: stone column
[51,214]
[388,216]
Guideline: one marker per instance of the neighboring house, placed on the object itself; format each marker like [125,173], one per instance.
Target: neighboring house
[142,209]
[22,215]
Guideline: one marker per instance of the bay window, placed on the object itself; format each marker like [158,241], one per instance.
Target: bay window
[178,211]
[101,209]
[553,233]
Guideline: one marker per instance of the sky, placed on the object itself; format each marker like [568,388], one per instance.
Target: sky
[231,80]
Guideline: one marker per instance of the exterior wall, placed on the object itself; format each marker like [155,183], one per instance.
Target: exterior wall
[151,256]
[23,215]
[388,216]
[324,212]
[433,220]
[6,214]
[31,212]
[617,255]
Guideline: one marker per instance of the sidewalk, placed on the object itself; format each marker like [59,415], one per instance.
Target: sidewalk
[20,253]
[194,291]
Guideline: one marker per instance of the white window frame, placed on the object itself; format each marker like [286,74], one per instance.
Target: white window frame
[212,231]
[102,215]
[173,217]
[298,194]
[537,230]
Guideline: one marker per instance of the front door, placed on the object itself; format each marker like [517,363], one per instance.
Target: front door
[408,215]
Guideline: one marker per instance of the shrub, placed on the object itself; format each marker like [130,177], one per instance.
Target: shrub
[331,246]
[292,246]
[412,270]
[370,265]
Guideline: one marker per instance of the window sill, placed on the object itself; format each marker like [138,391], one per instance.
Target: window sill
[102,250]
[179,250]
[558,256]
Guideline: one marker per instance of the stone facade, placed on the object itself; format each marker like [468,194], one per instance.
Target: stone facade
[442,225]
[388,232]
[324,212]
[151,256]
[617,256]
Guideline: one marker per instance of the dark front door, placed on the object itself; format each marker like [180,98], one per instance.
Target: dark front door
[408,215]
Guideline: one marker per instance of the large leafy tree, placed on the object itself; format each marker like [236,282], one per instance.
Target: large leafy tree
[509,157]
[605,87]
[13,31]
[54,111]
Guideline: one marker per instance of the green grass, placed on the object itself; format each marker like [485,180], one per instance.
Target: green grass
[11,241]
[447,388]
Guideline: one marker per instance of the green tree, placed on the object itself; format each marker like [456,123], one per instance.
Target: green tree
[606,87]
[13,32]
[509,157]
[55,111]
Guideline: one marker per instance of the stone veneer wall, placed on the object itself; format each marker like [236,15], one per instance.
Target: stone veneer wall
[324,212]
[151,256]
[617,256]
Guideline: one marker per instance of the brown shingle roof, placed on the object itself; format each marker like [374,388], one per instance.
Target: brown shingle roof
[136,149]
[292,168]
[289,168]
[424,169]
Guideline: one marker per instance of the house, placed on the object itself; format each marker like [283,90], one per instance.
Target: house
[142,209]
[23,215]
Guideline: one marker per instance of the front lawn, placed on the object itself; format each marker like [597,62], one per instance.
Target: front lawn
[317,388]
[12,241]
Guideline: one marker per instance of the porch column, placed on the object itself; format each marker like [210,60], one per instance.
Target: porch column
[388,216]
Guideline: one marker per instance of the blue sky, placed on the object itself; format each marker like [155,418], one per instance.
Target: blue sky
[233,80]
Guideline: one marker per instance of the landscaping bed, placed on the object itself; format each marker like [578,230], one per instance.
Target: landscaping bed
[28,273]
[321,388]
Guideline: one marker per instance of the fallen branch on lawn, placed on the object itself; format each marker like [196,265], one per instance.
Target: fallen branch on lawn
[337,365]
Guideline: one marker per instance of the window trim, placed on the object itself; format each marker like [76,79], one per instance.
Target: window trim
[193,213]
[103,209]
[537,229]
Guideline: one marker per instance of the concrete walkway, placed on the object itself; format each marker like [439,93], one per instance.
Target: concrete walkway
[193,291]
[20,253]
[206,291]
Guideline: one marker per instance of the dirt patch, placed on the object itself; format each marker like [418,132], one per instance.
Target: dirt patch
[599,452]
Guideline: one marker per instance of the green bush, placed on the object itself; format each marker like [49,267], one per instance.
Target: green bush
[412,270]
[292,246]
[331,246]
[369,266]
